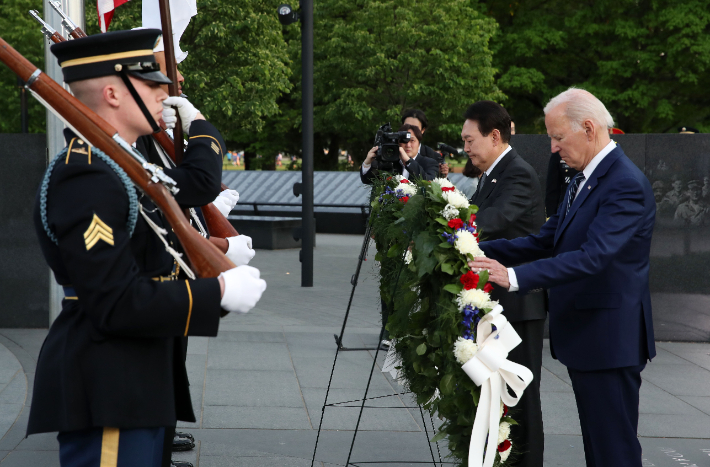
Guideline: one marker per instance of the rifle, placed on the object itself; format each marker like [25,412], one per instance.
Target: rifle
[74,30]
[47,30]
[166,22]
[217,225]
[205,258]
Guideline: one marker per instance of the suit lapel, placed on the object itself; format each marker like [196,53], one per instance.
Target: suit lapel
[586,188]
[492,179]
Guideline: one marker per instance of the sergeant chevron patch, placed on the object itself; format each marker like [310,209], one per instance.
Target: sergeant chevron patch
[98,230]
[215,148]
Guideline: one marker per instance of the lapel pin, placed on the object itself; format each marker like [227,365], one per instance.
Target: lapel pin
[589,187]
[493,181]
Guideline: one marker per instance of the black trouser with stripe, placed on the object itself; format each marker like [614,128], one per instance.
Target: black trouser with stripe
[111,447]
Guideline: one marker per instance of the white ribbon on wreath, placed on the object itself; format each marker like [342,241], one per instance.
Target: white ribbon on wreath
[490,369]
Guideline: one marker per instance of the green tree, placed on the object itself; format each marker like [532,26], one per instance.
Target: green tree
[647,60]
[19,30]
[375,58]
[238,64]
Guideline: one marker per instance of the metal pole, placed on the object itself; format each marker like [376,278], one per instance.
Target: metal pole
[55,127]
[24,120]
[307,128]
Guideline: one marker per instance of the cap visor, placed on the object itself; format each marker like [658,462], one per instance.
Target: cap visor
[156,76]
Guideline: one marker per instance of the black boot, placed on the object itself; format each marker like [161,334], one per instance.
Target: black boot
[182,444]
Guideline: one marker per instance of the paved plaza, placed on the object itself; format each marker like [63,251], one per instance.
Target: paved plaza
[258,388]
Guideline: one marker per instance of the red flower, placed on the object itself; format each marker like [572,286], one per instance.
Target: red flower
[404,180]
[472,219]
[475,234]
[488,288]
[447,188]
[504,446]
[389,178]
[469,280]
[456,224]
[505,410]
[404,199]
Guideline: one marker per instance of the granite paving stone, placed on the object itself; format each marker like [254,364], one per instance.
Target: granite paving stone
[700,403]
[273,418]
[227,355]
[249,388]
[696,425]
[679,379]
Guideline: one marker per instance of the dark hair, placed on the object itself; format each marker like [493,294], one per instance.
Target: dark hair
[412,129]
[470,170]
[490,116]
[418,114]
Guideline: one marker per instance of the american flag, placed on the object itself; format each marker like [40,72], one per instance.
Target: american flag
[105,9]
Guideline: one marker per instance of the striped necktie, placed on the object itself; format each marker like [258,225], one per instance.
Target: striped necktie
[573,187]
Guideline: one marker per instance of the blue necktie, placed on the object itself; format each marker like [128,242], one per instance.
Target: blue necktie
[573,187]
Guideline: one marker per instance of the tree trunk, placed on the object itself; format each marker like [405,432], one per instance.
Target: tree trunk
[249,159]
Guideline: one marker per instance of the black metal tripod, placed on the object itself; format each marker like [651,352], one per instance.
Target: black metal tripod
[339,347]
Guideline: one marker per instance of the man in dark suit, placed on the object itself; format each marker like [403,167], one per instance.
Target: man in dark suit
[509,200]
[411,163]
[593,255]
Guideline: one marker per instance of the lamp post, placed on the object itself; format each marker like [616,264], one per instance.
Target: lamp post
[288,16]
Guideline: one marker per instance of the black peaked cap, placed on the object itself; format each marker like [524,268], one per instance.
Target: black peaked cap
[110,53]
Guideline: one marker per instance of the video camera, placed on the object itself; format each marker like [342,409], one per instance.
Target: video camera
[387,142]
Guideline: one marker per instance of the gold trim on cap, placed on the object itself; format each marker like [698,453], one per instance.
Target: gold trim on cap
[107,57]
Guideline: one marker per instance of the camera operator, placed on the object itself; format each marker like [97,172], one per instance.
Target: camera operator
[411,163]
[417,118]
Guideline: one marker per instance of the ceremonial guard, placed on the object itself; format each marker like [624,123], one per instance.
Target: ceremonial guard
[199,176]
[111,376]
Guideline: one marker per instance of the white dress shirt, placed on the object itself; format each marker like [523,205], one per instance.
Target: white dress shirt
[405,173]
[588,171]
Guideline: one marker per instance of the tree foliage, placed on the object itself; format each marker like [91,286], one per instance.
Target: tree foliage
[647,60]
[375,58]
[237,65]
[19,30]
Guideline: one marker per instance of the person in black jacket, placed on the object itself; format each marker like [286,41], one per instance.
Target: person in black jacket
[110,377]
[509,201]
[417,118]
[411,162]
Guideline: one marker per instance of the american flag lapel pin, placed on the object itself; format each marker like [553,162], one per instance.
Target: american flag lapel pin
[494,180]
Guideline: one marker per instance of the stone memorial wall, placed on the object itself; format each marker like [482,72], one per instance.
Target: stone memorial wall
[678,167]
[24,276]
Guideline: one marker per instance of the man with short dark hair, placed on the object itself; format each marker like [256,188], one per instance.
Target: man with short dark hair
[510,205]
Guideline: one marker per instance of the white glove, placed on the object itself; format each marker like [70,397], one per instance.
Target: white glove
[187,111]
[240,251]
[226,201]
[242,289]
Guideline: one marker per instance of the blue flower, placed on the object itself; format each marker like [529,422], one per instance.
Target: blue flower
[451,238]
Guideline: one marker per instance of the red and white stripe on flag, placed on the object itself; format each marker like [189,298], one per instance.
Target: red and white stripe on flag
[105,9]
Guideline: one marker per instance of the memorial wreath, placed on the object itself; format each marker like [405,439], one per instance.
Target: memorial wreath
[449,339]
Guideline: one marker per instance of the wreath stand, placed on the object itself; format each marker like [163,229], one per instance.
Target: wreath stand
[341,348]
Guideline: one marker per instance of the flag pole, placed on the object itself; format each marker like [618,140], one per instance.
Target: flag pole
[171,70]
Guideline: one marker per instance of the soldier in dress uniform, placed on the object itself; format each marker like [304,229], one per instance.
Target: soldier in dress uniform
[199,176]
[110,376]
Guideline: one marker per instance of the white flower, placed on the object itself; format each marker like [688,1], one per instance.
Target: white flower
[450,212]
[455,198]
[443,182]
[476,298]
[504,455]
[408,257]
[466,243]
[503,432]
[405,189]
[464,350]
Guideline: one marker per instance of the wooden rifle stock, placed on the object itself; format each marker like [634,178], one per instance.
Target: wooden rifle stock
[217,225]
[205,259]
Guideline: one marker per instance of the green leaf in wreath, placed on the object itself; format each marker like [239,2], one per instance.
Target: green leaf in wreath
[394,251]
[421,349]
[442,221]
[438,437]
[482,278]
[448,268]
[453,288]
[445,245]
[448,384]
